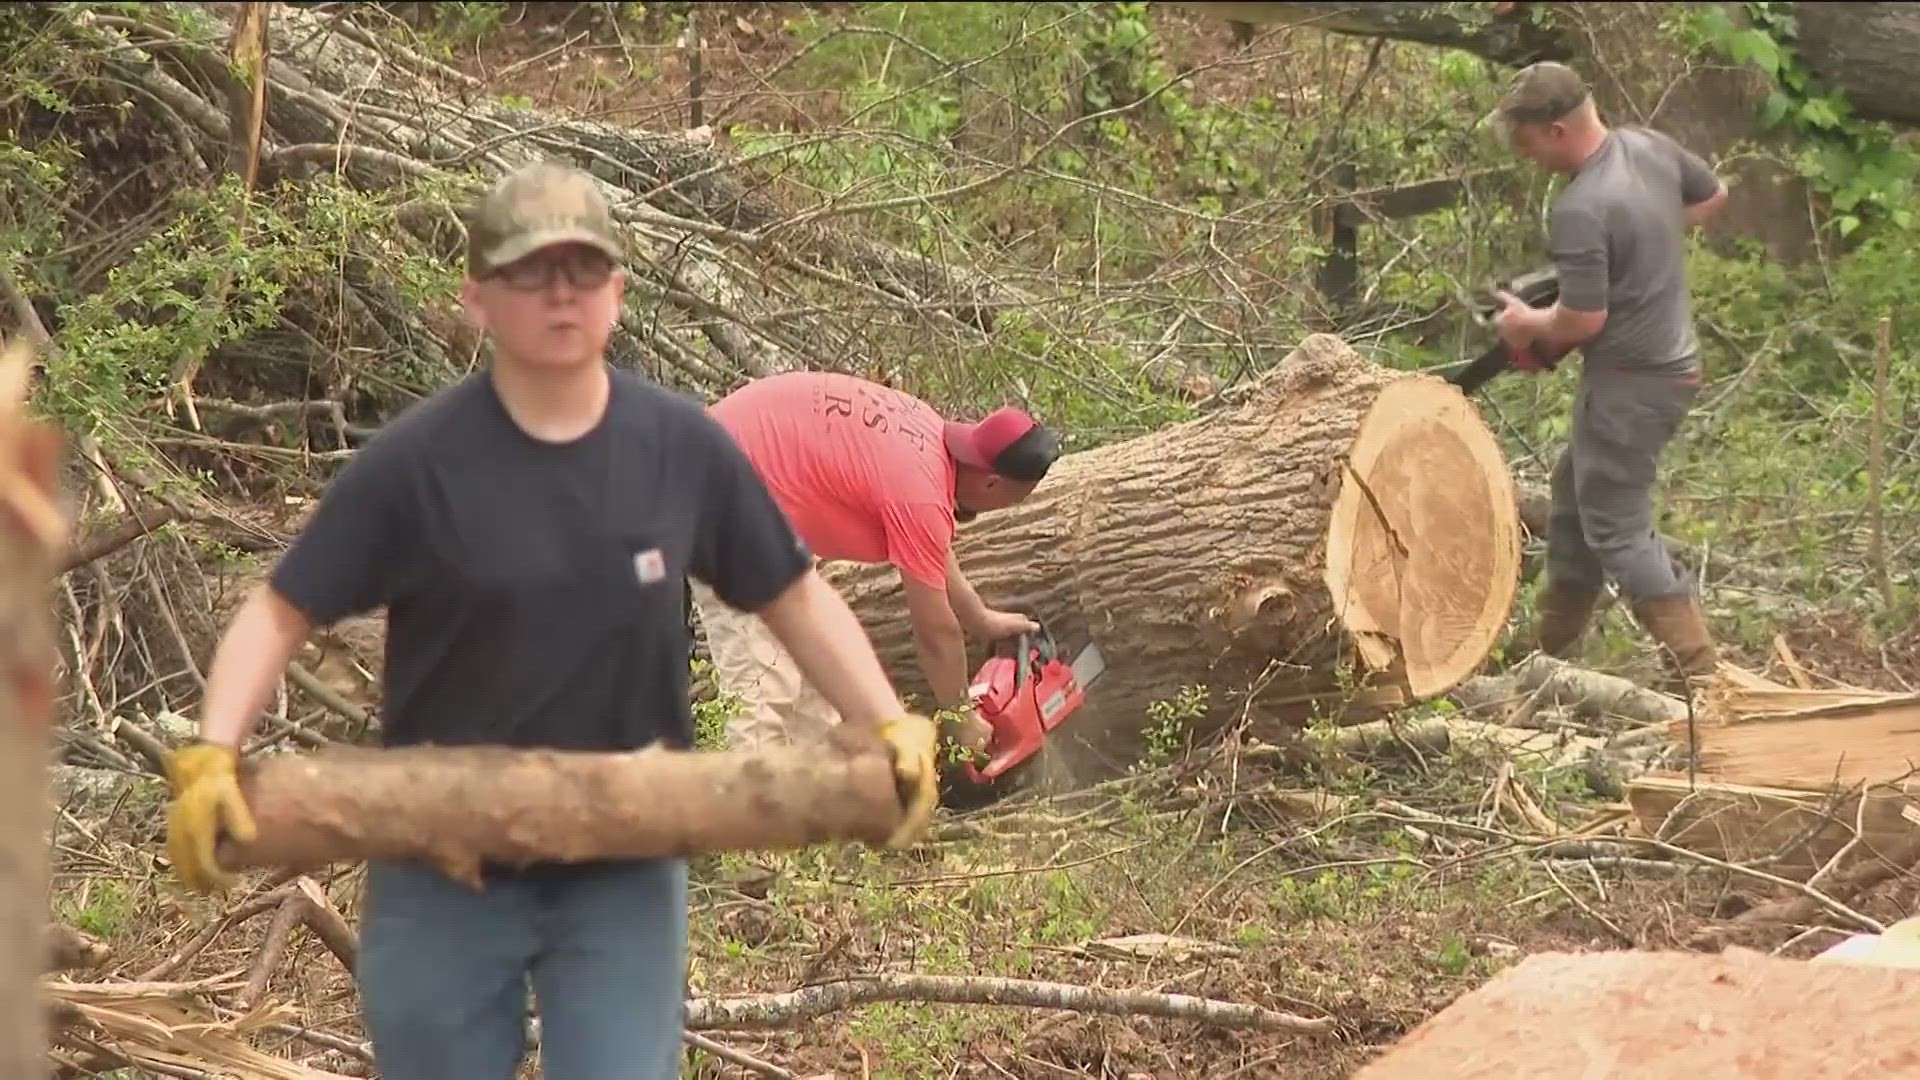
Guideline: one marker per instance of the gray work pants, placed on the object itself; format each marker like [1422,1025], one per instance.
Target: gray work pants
[1602,524]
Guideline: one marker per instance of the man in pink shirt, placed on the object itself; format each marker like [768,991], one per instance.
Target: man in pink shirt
[869,474]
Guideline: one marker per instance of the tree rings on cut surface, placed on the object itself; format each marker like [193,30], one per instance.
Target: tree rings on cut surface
[1423,552]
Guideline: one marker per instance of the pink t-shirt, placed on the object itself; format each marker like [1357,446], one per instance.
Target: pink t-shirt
[862,471]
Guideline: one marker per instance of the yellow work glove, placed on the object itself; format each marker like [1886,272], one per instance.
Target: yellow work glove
[913,741]
[206,799]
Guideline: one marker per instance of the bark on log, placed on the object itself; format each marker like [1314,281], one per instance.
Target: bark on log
[460,806]
[1343,512]
[31,536]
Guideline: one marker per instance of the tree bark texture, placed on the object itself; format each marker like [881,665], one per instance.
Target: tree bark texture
[31,538]
[458,807]
[1341,513]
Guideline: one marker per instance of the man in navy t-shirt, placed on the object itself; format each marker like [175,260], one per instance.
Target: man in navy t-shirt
[530,531]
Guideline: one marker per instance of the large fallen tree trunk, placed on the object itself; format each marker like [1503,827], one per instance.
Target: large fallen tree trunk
[1345,540]
[461,806]
[31,536]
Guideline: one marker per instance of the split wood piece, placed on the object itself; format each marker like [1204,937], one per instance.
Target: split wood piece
[774,1010]
[1755,731]
[33,535]
[458,807]
[1801,831]
[1780,771]
[1343,512]
[169,1028]
[1668,1016]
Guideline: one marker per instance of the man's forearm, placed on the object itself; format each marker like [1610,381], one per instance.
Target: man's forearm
[943,659]
[1699,212]
[251,658]
[833,651]
[1562,330]
[967,605]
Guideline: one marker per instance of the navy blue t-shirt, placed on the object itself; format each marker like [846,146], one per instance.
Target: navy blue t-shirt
[535,591]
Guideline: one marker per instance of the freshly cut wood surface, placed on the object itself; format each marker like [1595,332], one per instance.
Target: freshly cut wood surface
[1668,1016]
[1341,514]
[1806,776]
[1756,731]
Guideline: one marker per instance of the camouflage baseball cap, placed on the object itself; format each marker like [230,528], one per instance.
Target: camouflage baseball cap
[1538,94]
[534,207]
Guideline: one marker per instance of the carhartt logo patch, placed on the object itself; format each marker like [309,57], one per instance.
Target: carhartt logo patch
[649,566]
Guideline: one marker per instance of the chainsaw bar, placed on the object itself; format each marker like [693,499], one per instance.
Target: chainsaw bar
[1088,666]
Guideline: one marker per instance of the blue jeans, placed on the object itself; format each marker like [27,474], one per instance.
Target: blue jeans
[443,971]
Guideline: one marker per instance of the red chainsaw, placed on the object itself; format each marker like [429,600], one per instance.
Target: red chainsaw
[1023,692]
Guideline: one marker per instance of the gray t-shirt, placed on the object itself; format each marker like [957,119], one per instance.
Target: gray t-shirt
[1618,240]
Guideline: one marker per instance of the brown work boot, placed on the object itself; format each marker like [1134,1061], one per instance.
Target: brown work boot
[1679,626]
[1565,611]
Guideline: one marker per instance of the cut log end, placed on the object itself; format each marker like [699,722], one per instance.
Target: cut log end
[1422,553]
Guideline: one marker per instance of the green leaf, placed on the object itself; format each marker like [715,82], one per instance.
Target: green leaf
[1714,23]
[1775,109]
[1758,48]
[1848,223]
[1818,112]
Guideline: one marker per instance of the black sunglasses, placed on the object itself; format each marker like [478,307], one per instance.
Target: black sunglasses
[583,270]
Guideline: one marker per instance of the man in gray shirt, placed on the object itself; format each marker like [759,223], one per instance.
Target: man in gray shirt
[1617,240]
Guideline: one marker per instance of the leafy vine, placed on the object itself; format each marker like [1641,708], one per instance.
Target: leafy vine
[1861,167]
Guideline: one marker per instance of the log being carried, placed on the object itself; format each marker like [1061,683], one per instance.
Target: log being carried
[529,531]
[1342,515]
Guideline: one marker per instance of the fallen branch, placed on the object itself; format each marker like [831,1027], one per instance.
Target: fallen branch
[1802,908]
[1540,681]
[807,1003]
[729,1054]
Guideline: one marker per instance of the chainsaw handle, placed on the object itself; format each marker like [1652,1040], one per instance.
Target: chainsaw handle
[1021,646]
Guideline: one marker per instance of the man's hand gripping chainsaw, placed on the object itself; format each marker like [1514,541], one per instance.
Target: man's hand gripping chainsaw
[1538,289]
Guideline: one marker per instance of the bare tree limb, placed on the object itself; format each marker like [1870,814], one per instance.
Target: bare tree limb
[773,1010]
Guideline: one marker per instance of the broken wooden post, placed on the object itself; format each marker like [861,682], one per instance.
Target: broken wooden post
[32,536]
